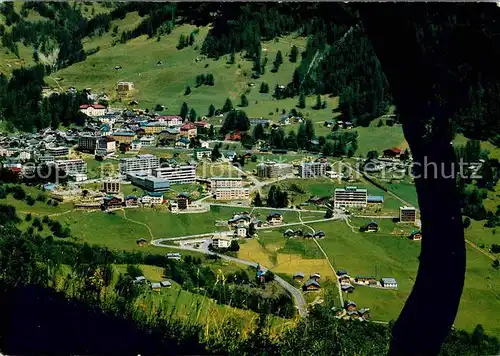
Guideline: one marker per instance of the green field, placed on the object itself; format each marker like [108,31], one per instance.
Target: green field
[384,255]
[165,84]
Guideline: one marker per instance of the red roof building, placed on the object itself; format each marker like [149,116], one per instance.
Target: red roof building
[94,106]
[392,152]
[233,137]
[203,124]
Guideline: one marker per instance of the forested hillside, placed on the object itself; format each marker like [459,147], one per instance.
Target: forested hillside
[336,61]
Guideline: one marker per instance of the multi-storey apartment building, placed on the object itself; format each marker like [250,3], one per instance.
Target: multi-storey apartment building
[111,187]
[177,174]
[141,163]
[350,197]
[312,169]
[407,214]
[57,151]
[273,170]
[223,182]
[235,193]
[72,166]
[148,182]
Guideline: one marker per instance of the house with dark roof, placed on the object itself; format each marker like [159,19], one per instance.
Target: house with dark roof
[389,282]
[289,233]
[311,285]
[350,305]
[347,287]
[166,284]
[275,218]
[392,153]
[345,278]
[319,234]
[372,226]
[315,276]
[131,201]
[141,242]
[341,272]
[415,235]
[298,277]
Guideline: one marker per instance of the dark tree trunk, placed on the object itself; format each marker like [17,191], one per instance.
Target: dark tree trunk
[431,308]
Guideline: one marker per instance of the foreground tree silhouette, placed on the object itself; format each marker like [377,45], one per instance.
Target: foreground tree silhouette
[429,71]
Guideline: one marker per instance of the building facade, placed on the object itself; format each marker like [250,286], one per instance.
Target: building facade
[125,86]
[189,130]
[124,136]
[140,163]
[232,194]
[350,197]
[71,166]
[312,169]
[93,109]
[223,182]
[273,170]
[407,214]
[177,174]
[111,187]
[58,151]
[148,182]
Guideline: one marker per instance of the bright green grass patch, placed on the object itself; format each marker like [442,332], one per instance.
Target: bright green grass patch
[378,139]
[405,191]
[382,255]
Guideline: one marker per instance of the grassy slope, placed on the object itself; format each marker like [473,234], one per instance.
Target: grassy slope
[390,256]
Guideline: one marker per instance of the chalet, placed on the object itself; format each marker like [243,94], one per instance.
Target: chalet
[131,201]
[392,153]
[241,231]
[298,277]
[166,284]
[202,124]
[140,279]
[93,109]
[347,287]
[230,155]
[364,313]
[183,201]
[221,242]
[141,242]
[237,219]
[372,226]
[341,272]
[155,286]
[365,280]
[284,120]
[308,235]
[140,132]
[111,203]
[350,305]
[345,279]
[183,142]
[169,134]
[319,234]
[200,153]
[415,235]
[235,136]
[311,285]
[348,125]
[170,120]
[317,200]
[174,256]
[289,233]
[389,282]
[315,276]
[189,130]
[275,218]
[257,222]
[152,198]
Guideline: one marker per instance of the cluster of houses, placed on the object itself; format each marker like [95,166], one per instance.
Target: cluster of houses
[312,284]
[156,286]
[347,282]
[351,311]
[290,233]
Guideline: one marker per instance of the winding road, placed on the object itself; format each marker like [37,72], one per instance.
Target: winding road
[300,302]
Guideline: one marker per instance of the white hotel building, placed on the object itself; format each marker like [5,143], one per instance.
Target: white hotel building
[350,197]
[176,174]
[141,163]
